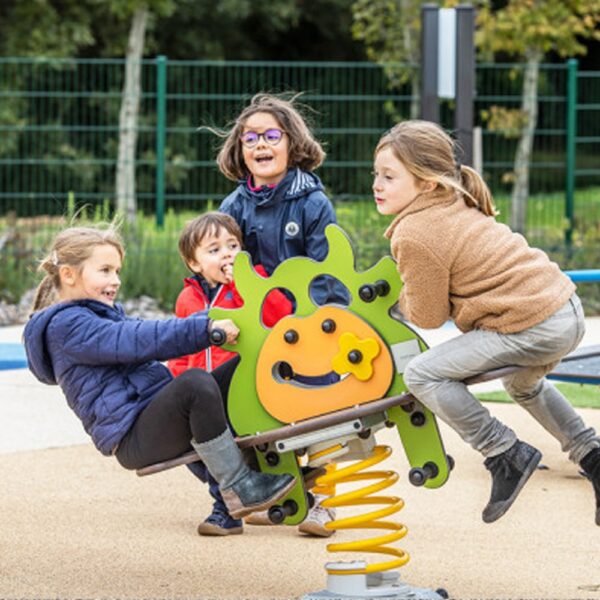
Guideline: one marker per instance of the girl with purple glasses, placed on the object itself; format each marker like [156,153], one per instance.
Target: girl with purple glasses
[282,210]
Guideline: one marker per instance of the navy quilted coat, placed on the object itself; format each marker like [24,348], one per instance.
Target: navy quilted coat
[284,221]
[106,363]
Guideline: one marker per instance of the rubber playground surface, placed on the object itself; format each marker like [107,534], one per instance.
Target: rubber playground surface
[75,525]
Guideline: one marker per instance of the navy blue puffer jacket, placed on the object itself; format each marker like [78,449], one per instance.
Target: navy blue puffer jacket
[285,221]
[106,363]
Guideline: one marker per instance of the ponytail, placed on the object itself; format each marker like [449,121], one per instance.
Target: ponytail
[45,294]
[476,192]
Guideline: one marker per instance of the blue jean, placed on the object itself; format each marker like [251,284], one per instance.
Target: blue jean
[435,378]
[201,472]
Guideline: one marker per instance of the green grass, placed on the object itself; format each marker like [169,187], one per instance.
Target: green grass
[153,267]
[580,396]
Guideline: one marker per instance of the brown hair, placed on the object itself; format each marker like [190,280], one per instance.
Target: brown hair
[428,153]
[305,152]
[197,229]
[72,247]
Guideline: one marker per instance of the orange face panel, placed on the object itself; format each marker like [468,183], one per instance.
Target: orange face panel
[300,351]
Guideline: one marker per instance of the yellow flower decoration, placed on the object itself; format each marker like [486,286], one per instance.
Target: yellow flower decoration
[355,356]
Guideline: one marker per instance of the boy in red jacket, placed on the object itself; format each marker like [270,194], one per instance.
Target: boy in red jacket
[208,245]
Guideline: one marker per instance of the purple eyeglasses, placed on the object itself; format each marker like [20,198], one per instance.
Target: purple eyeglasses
[271,137]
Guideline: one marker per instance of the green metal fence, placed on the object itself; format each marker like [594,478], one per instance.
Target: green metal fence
[59,122]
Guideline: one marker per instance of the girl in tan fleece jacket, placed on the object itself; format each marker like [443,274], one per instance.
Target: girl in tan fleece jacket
[513,305]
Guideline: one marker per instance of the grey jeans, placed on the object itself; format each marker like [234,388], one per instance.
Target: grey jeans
[434,377]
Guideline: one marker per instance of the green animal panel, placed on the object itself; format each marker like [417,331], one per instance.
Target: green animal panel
[362,343]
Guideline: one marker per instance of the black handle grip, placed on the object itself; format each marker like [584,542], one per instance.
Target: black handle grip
[217,337]
[418,476]
[369,291]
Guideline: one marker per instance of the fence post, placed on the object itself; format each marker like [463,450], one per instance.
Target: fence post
[571,141]
[465,82]
[161,117]
[430,110]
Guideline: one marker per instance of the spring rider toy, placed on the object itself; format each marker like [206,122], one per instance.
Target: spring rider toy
[278,384]
[279,406]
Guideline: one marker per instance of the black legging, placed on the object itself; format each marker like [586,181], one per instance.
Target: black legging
[190,406]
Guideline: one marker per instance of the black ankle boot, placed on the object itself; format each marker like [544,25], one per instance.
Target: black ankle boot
[591,467]
[510,472]
[256,491]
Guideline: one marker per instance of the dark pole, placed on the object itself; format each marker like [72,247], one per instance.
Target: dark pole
[465,81]
[430,110]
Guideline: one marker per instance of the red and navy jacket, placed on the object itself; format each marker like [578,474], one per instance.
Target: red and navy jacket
[194,298]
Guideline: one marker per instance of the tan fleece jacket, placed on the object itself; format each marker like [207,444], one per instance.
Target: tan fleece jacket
[457,263]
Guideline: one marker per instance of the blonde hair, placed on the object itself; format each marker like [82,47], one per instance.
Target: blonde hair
[304,151]
[197,229]
[428,153]
[72,246]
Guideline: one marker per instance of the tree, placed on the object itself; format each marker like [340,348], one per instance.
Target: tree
[138,12]
[391,32]
[45,28]
[528,30]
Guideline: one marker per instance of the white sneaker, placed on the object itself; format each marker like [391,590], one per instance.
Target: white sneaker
[316,519]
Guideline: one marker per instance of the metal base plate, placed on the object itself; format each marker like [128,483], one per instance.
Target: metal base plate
[400,592]
[384,585]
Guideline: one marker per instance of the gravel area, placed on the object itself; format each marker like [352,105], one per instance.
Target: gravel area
[143,307]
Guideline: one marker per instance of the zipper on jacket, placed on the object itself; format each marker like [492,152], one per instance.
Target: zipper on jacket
[209,349]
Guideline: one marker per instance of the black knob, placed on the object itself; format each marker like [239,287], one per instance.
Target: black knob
[217,337]
[290,507]
[451,461]
[382,287]
[272,459]
[418,419]
[276,514]
[418,476]
[328,325]
[367,292]
[291,336]
[355,356]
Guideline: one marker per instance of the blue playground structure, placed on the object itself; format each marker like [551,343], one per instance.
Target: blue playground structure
[583,365]
[12,356]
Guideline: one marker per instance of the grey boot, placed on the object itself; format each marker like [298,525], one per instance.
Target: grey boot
[244,491]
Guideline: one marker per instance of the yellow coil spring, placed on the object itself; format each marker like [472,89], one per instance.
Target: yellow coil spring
[370,520]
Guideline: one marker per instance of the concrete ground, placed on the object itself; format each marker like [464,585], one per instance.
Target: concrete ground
[75,525]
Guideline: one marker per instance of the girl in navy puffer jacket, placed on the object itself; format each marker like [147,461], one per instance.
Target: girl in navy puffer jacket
[108,368]
[282,210]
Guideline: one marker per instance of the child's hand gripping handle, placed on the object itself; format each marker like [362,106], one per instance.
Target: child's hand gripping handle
[217,337]
[223,331]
